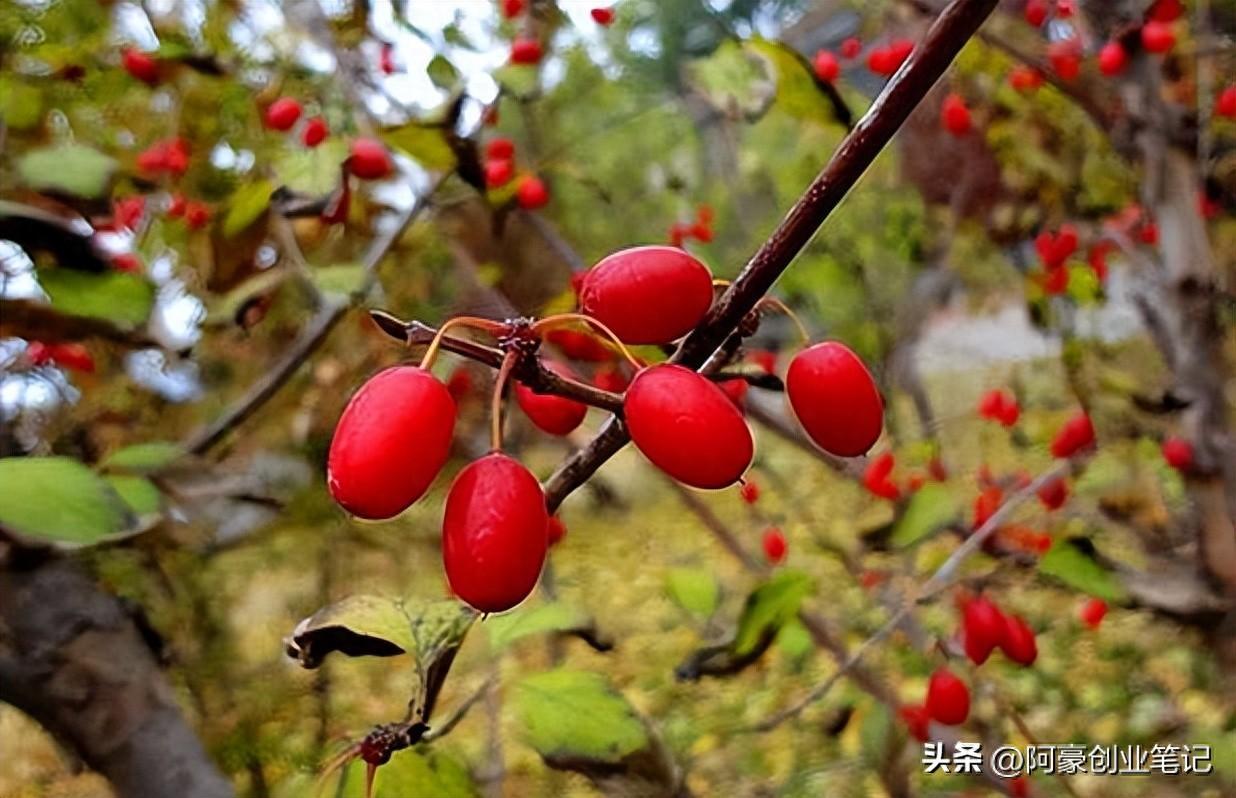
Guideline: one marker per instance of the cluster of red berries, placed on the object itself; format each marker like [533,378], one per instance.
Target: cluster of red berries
[878,476]
[530,192]
[888,59]
[700,229]
[283,114]
[169,156]
[1000,406]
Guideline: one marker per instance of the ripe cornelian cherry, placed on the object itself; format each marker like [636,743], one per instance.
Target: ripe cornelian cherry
[851,47]
[609,378]
[531,193]
[525,51]
[392,440]
[876,477]
[1166,10]
[140,65]
[835,398]
[495,533]
[1065,8]
[282,114]
[955,116]
[774,545]
[602,16]
[1178,453]
[1025,79]
[579,345]
[982,628]
[750,491]
[1076,434]
[986,504]
[72,356]
[459,384]
[825,65]
[512,8]
[917,721]
[647,295]
[1054,494]
[555,530]
[126,262]
[1157,37]
[1036,12]
[315,132]
[1018,643]
[500,149]
[1065,58]
[1092,612]
[948,698]
[1225,105]
[736,390]
[556,415]
[1001,406]
[369,159]
[498,172]
[1112,59]
[688,427]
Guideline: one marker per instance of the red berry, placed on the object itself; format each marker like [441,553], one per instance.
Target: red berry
[1065,58]
[197,214]
[390,443]
[876,477]
[986,504]
[1148,234]
[498,173]
[39,353]
[955,116]
[386,59]
[948,698]
[1036,12]
[1025,79]
[1112,59]
[750,491]
[531,193]
[1076,434]
[556,415]
[126,262]
[176,207]
[765,359]
[1226,104]
[1018,643]
[128,212]
[835,399]
[982,627]
[1178,453]
[1092,611]
[917,721]
[555,530]
[1056,281]
[1166,10]
[580,345]
[315,132]
[525,51]
[1097,258]
[610,379]
[500,149]
[702,232]
[282,114]
[72,356]
[512,8]
[369,159]
[495,533]
[602,16]
[688,427]
[459,384]
[736,390]
[882,61]
[851,47]
[826,67]
[1157,37]
[774,545]
[140,65]
[1054,494]
[1019,787]
[647,295]
[900,50]
[937,469]
[1065,8]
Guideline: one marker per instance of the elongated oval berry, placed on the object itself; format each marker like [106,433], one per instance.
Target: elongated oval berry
[140,65]
[688,427]
[1158,37]
[917,721]
[1092,612]
[647,295]
[835,399]
[1036,12]
[315,132]
[1018,643]
[982,628]
[525,51]
[556,415]
[1076,434]
[370,160]
[1112,58]
[948,698]
[495,533]
[391,441]
[282,114]
[1054,494]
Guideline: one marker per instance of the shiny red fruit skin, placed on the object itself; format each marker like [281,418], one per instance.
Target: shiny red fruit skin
[315,132]
[1226,104]
[750,492]
[688,427]
[556,415]
[825,66]
[525,51]
[390,443]
[917,721]
[282,114]
[602,16]
[982,626]
[1018,643]
[1025,79]
[1036,12]
[835,399]
[1065,58]
[955,116]
[1054,494]
[736,390]
[647,295]
[610,379]
[1092,612]
[851,47]
[1178,453]
[774,545]
[500,149]
[140,65]
[1112,59]
[531,193]
[579,345]
[1076,434]
[370,160]
[1157,37]
[555,530]
[948,698]
[512,8]
[197,214]
[495,533]
[498,173]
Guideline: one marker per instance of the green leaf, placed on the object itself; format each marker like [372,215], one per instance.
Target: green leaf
[246,206]
[556,617]
[313,171]
[694,589]
[732,76]
[423,143]
[421,771]
[58,499]
[1067,562]
[770,607]
[21,105]
[69,169]
[518,80]
[572,715]
[794,640]
[124,299]
[342,280]
[798,93]
[437,626]
[139,493]
[143,457]
[363,625]
[443,73]
[933,506]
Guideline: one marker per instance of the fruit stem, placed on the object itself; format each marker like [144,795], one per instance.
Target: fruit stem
[495,408]
[488,325]
[781,306]
[559,318]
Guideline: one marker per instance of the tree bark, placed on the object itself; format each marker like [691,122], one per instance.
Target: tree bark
[75,661]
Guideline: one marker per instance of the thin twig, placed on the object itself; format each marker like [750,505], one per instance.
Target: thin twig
[441,730]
